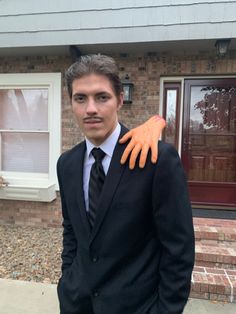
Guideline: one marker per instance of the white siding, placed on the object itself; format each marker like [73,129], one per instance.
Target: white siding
[16,7]
[47,23]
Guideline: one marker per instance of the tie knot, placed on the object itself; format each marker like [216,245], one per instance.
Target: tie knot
[98,154]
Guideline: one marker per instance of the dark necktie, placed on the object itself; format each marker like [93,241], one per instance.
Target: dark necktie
[96,180]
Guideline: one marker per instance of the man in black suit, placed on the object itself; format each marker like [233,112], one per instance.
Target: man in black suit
[128,248]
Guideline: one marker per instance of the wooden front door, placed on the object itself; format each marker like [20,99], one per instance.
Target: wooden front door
[209,141]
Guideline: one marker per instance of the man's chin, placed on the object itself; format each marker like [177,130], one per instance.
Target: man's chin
[95,138]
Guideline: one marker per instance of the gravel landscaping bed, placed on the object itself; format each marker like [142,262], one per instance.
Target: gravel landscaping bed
[30,253]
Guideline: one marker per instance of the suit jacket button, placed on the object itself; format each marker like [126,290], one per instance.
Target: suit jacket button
[95,259]
[96,294]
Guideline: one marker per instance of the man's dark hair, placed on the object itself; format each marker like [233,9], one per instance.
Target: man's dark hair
[94,64]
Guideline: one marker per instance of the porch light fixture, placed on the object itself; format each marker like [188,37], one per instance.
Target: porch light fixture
[128,90]
[3,182]
[222,46]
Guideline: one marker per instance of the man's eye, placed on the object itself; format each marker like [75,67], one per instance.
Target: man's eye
[102,98]
[79,98]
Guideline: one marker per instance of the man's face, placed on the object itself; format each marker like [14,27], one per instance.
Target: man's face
[95,106]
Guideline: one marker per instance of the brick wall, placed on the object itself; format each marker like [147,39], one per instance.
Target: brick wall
[31,213]
[144,71]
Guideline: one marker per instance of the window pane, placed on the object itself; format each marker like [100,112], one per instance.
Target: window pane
[171,112]
[212,134]
[24,109]
[171,103]
[25,152]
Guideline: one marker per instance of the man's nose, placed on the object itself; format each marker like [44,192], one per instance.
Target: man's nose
[91,106]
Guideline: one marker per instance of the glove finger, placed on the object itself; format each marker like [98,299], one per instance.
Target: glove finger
[134,155]
[157,134]
[126,152]
[143,156]
[126,137]
[154,150]
[160,126]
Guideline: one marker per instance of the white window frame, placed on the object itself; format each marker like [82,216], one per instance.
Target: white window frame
[36,186]
[180,80]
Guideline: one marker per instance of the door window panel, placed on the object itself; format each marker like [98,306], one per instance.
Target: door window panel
[212,134]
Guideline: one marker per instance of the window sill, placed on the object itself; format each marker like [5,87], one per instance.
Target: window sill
[46,193]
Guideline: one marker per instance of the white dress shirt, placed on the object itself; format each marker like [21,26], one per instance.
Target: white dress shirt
[108,148]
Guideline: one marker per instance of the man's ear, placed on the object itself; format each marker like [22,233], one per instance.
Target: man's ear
[120,101]
[72,108]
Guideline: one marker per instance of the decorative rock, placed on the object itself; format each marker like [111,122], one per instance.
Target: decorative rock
[30,253]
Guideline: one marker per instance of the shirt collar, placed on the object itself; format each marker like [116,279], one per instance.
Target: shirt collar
[108,145]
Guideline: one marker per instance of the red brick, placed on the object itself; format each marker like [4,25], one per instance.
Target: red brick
[199,295]
[215,271]
[199,269]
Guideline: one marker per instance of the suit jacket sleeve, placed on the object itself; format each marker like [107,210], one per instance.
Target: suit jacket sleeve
[69,240]
[174,226]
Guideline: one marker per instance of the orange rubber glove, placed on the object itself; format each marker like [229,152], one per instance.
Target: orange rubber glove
[143,138]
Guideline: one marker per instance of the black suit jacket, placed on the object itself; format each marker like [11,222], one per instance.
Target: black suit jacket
[138,258]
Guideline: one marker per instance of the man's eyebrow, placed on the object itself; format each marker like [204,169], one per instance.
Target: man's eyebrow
[102,93]
[78,94]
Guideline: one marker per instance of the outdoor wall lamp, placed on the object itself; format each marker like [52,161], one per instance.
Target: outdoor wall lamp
[128,90]
[3,182]
[222,46]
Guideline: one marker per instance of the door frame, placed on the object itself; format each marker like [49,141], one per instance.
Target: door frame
[227,187]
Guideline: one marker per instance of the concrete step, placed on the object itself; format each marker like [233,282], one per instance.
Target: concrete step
[215,256]
[216,284]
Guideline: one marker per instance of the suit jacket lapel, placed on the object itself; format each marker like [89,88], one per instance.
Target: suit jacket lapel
[113,177]
[80,188]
